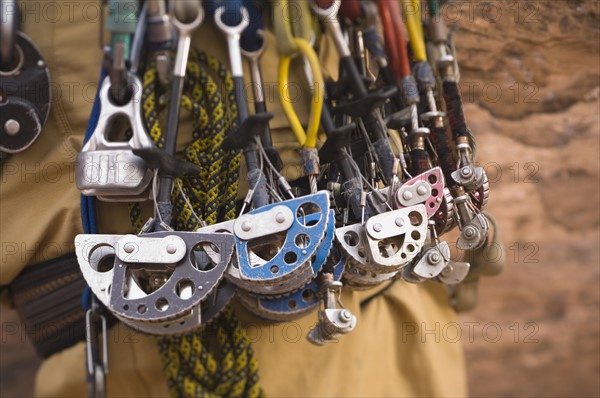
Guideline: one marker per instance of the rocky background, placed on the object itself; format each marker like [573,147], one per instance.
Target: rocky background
[531,82]
[531,77]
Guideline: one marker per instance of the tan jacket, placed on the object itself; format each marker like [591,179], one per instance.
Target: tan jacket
[397,348]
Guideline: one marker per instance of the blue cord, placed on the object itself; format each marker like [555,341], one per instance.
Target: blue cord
[250,40]
[231,16]
[373,42]
[86,299]
[88,203]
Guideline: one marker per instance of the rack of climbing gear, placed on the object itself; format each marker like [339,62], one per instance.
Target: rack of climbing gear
[392,173]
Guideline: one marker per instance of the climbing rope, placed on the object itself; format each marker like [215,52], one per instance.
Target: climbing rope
[218,360]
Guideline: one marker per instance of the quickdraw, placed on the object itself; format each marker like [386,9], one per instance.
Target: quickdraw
[307,139]
[371,205]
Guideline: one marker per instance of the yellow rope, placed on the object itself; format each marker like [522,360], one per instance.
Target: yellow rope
[412,11]
[306,138]
[194,364]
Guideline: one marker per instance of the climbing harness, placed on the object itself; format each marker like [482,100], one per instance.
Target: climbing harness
[371,205]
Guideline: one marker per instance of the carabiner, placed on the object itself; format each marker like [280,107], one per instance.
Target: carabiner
[306,138]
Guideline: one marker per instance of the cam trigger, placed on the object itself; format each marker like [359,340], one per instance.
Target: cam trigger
[253,126]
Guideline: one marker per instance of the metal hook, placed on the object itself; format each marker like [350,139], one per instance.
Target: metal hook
[184,26]
[233,34]
[8,32]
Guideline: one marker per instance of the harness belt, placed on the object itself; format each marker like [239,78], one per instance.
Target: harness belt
[47,297]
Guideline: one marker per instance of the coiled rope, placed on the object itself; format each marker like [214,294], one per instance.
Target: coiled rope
[217,361]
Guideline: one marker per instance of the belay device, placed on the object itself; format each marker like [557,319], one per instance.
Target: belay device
[24,85]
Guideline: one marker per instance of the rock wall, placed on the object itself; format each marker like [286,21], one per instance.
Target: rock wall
[530,74]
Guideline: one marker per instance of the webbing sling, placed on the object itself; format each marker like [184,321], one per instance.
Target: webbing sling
[216,361]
